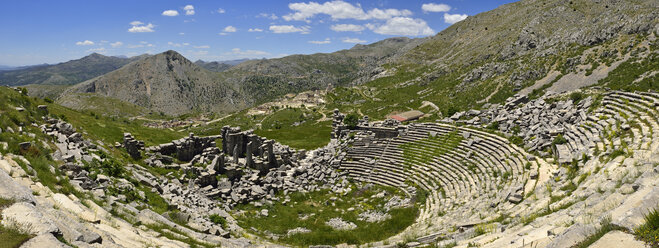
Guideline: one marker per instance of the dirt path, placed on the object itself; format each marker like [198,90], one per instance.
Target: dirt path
[218,119]
[492,94]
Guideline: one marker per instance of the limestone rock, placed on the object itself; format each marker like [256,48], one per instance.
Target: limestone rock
[10,189]
[44,240]
[27,216]
[617,239]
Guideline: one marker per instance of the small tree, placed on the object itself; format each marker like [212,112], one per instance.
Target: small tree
[351,120]
[576,97]
[450,111]
[559,140]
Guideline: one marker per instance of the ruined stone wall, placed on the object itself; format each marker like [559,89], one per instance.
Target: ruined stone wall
[186,148]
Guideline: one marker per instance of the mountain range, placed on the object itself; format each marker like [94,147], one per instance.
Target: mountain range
[66,73]
[171,84]
[516,48]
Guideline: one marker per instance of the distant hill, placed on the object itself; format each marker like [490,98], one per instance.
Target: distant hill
[11,68]
[71,72]
[170,83]
[267,79]
[219,66]
[166,82]
[213,66]
[6,68]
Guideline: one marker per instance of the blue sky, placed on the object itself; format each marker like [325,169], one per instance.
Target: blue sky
[46,31]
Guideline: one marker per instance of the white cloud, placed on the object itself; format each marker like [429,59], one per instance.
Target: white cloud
[85,43]
[347,28]
[198,53]
[170,12]
[202,47]
[247,53]
[433,7]
[320,42]
[269,16]
[387,13]
[177,44]
[181,33]
[117,44]
[340,10]
[230,29]
[142,44]
[282,29]
[450,19]
[255,30]
[189,9]
[139,27]
[352,40]
[96,50]
[402,26]
[221,11]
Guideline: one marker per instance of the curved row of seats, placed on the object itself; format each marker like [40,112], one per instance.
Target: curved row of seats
[636,109]
[461,179]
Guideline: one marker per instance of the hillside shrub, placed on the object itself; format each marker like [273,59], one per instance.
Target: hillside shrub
[351,120]
[649,231]
[559,140]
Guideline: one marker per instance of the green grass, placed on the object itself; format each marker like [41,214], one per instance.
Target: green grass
[218,220]
[283,218]
[623,77]
[111,129]
[101,105]
[280,126]
[296,128]
[156,202]
[649,231]
[525,220]
[12,236]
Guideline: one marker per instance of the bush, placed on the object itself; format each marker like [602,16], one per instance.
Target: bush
[494,126]
[576,97]
[112,168]
[617,153]
[516,140]
[219,220]
[559,140]
[351,120]
[649,231]
[450,111]
[48,100]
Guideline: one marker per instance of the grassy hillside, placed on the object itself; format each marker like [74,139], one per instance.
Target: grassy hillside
[490,56]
